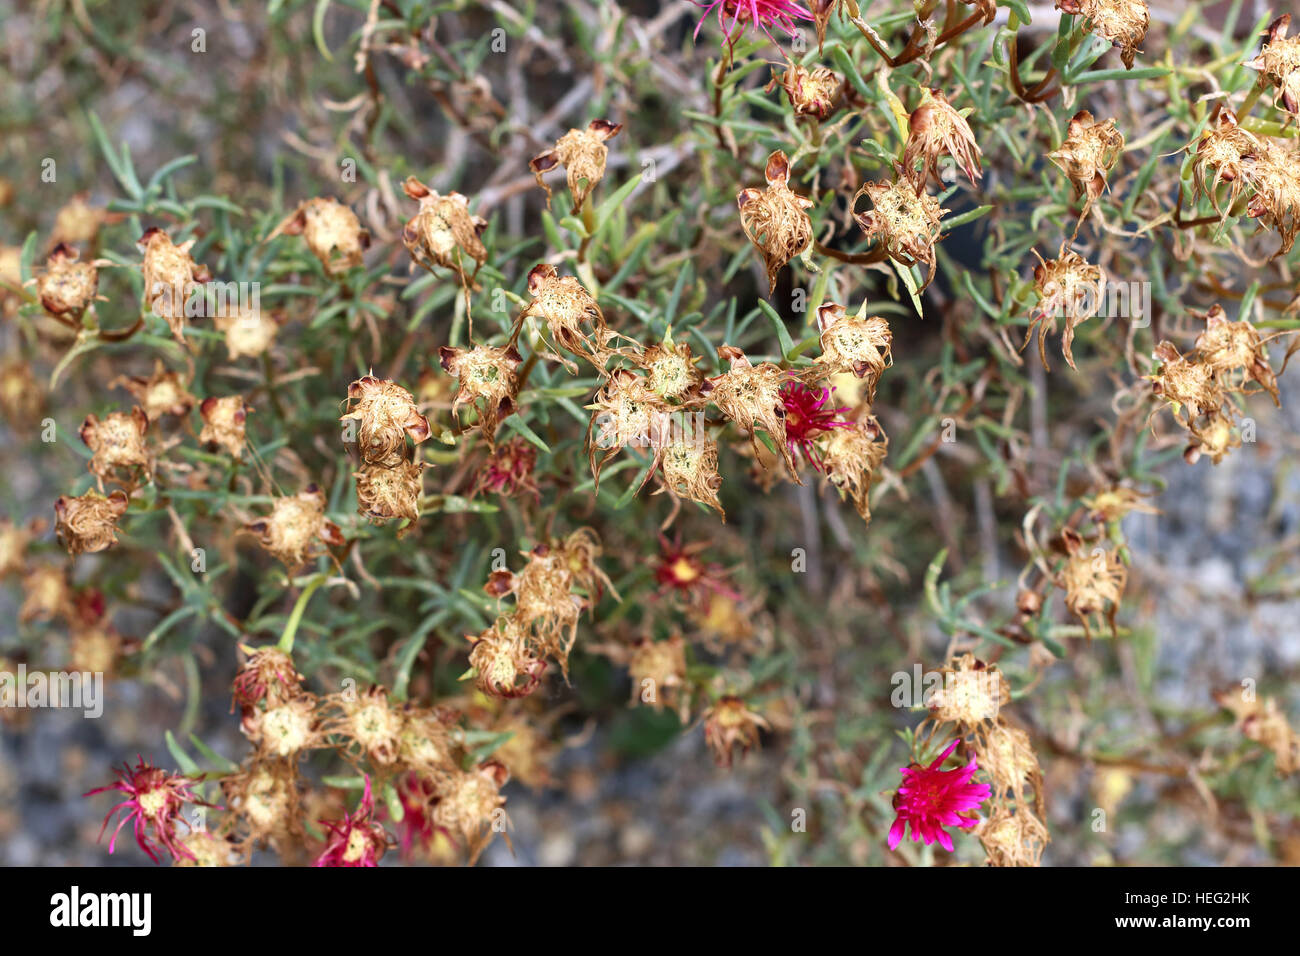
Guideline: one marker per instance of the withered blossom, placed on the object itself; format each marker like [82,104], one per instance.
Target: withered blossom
[78,222]
[1068,287]
[859,343]
[750,396]
[1263,722]
[21,396]
[1279,63]
[1273,172]
[223,423]
[1093,579]
[386,415]
[1230,347]
[509,470]
[1012,836]
[14,539]
[470,807]
[46,594]
[488,381]
[88,523]
[565,306]
[582,153]
[1122,23]
[371,722]
[658,672]
[728,725]
[1091,149]
[332,231]
[625,411]
[1212,437]
[814,92]
[248,331]
[296,530]
[689,469]
[443,231]
[286,729]
[389,492]
[670,369]
[266,677]
[906,223]
[774,219]
[851,458]
[1224,154]
[68,287]
[1112,504]
[1186,383]
[971,694]
[504,661]
[162,393]
[171,277]
[936,129]
[118,446]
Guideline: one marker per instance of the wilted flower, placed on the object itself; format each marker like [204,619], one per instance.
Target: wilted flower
[1214,437]
[627,412]
[814,92]
[970,694]
[266,802]
[670,368]
[904,221]
[14,539]
[268,676]
[1123,23]
[118,445]
[1112,504]
[857,344]
[750,395]
[171,276]
[565,306]
[1012,836]
[78,222]
[1263,722]
[850,459]
[356,840]
[1093,580]
[386,414]
[930,799]
[1069,286]
[1009,761]
[774,219]
[1279,62]
[735,16]
[248,331]
[443,231]
[332,232]
[729,724]
[679,570]
[223,423]
[424,743]
[162,393]
[504,662]
[582,152]
[46,594]
[88,523]
[154,802]
[68,287]
[21,396]
[471,807]
[297,528]
[286,729]
[689,469]
[1090,151]
[388,492]
[1227,151]
[488,382]
[807,417]
[936,129]
[509,470]
[1274,174]
[372,722]
[1186,383]
[1228,347]
[658,672]
[205,848]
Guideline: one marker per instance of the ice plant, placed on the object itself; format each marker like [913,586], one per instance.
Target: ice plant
[332,231]
[931,799]
[808,415]
[88,523]
[775,219]
[356,840]
[582,153]
[735,16]
[153,807]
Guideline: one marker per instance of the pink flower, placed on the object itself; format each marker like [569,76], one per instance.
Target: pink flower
[931,799]
[733,14]
[154,797]
[807,417]
[357,839]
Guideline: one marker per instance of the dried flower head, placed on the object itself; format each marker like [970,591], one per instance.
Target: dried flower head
[296,528]
[509,470]
[1091,149]
[265,802]
[670,369]
[46,594]
[332,232]
[689,469]
[223,423]
[905,221]
[735,16]
[470,806]
[1012,836]
[153,807]
[1213,437]
[267,677]
[774,219]
[1263,722]
[750,396]
[385,493]
[729,724]
[814,92]
[1279,63]
[625,411]
[162,393]
[88,523]
[971,693]
[285,730]
[424,743]
[658,672]
[582,153]
[386,414]
[1224,154]
[1273,171]
[565,306]
[1186,383]
[488,382]
[936,129]
[68,287]
[1122,23]
[14,539]
[205,848]
[1112,504]
[1069,287]
[356,840]
[851,458]
[443,232]
[118,445]
[1236,347]
[930,799]
[504,662]
[78,222]
[248,331]
[372,722]
[859,343]
[1093,580]
[171,276]
[1010,762]
[21,396]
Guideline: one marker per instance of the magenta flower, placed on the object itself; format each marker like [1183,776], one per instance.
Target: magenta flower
[807,417]
[931,799]
[734,16]
[357,839]
[153,797]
